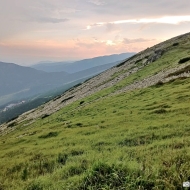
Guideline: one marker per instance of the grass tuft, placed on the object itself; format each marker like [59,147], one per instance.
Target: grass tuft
[49,135]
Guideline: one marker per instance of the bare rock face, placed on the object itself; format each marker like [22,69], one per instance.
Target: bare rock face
[155,56]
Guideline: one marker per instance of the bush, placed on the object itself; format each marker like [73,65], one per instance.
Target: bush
[35,185]
[159,83]
[160,111]
[183,60]
[49,135]
[145,184]
[77,152]
[12,124]
[62,158]
[175,44]
[79,124]
[24,174]
[82,102]
[45,115]
[103,175]
[1,187]
[75,170]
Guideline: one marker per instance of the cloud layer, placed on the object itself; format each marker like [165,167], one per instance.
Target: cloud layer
[161,20]
[36,30]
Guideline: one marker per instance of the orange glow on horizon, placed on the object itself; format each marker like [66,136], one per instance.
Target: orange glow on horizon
[73,49]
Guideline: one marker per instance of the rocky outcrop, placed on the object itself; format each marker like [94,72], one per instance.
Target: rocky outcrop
[155,56]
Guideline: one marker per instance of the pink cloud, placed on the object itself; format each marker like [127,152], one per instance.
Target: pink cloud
[76,49]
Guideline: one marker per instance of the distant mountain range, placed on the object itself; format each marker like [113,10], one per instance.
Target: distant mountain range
[73,67]
[18,82]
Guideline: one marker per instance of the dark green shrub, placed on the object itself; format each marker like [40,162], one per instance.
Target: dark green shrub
[62,158]
[121,64]
[66,99]
[142,140]
[104,176]
[183,60]
[15,168]
[82,102]
[160,111]
[137,61]
[45,115]
[79,124]
[13,119]
[48,166]
[49,135]
[24,174]
[159,83]
[35,185]
[43,166]
[12,124]
[2,186]
[77,152]
[175,44]
[145,184]
[73,170]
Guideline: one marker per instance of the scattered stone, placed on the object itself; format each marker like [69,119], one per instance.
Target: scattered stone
[106,80]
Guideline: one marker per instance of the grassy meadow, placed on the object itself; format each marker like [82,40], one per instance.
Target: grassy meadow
[135,140]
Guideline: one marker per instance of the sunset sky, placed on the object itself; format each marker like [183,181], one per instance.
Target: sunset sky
[62,30]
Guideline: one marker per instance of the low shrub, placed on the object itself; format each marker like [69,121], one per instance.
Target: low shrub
[44,116]
[159,83]
[76,152]
[160,111]
[35,185]
[62,158]
[24,175]
[82,102]
[183,60]
[175,44]
[104,176]
[79,124]
[12,124]
[49,135]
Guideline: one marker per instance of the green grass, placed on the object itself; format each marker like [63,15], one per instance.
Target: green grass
[169,59]
[133,140]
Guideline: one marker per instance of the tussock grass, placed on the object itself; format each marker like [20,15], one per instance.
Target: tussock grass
[130,141]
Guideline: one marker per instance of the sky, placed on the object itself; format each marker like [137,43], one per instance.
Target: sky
[65,30]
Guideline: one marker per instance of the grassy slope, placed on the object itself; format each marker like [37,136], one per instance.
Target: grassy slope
[135,140]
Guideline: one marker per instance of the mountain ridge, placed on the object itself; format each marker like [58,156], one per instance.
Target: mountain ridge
[21,82]
[149,55]
[76,66]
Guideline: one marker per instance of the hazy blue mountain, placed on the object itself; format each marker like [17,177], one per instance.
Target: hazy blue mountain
[19,82]
[72,67]
[27,83]
[49,66]
[15,78]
